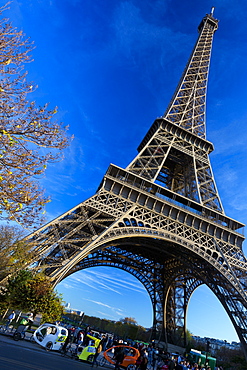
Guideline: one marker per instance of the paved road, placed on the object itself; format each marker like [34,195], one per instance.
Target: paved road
[21,358]
[24,355]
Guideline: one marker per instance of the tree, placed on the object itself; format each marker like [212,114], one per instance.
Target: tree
[27,132]
[31,292]
[128,320]
[231,359]
[14,251]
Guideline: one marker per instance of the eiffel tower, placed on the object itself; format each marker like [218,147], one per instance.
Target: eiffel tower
[161,218]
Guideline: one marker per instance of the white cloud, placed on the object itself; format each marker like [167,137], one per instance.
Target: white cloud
[113,280]
[67,286]
[101,304]
[96,280]
[115,310]
[106,315]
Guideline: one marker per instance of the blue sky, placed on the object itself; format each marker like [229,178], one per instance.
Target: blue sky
[111,67]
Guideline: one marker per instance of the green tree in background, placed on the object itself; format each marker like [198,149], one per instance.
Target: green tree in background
[27,132]
[231,359]
[128,320]
[14,252]
[31,292]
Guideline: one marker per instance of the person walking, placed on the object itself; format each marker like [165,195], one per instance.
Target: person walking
[30,320]
[9,320]
[104,342]
[68,340]
[144,362]
[98,346]
[80,337]
[118,357]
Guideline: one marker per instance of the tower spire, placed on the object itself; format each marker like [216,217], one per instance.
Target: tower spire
[174,152]
[188,104]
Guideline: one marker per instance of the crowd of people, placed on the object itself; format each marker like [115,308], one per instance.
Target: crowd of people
[154,358]
[151,357]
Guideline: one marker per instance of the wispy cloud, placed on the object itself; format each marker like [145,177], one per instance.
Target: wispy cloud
[98,280]
[93,282]
[99,303]
[67,286]
[115,310]
[104,314]
[227,137]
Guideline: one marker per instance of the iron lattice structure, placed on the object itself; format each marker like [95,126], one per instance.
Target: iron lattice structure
[161,218]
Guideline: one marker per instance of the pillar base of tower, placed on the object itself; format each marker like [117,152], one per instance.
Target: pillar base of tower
[168,347]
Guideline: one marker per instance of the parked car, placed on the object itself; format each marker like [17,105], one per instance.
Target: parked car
[50,336]
[89,351]
[131,354]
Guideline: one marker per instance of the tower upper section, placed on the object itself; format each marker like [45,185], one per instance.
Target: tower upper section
[188,105]
[175,153]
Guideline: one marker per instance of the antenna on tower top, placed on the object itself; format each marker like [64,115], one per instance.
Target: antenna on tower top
[212,11]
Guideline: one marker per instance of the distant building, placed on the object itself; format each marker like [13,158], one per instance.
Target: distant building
[216,344]
[72,310]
